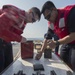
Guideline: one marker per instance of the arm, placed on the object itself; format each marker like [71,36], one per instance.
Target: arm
[44,45]
[67,39]
[10,36]
[47,36]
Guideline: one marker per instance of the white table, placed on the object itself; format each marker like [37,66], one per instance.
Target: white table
[27,66]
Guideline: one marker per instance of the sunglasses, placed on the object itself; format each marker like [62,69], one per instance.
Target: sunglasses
[33,18]
[48,16]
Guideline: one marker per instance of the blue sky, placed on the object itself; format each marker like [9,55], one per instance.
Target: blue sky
[38,29]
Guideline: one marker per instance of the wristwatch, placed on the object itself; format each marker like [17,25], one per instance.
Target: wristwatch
[57,43]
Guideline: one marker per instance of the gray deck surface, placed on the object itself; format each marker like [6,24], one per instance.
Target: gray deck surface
[49,64]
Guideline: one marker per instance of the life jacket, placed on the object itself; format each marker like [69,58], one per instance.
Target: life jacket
[60,26]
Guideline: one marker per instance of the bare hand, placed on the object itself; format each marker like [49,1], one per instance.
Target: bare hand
[51,44]
[23,40]
[38,56]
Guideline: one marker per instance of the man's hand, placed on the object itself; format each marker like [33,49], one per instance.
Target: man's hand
[51,43]
[23,40]
[38,56]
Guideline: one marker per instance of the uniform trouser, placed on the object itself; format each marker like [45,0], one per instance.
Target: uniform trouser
[67,53]
[6,56]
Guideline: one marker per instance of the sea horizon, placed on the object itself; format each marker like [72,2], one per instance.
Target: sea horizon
[34,39]
[29,39]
